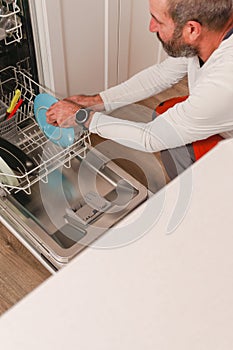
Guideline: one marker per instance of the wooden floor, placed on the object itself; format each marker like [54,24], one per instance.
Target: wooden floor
[180,89]
[20,272]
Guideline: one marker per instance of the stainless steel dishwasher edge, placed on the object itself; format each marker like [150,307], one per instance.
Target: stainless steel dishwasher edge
[71,197]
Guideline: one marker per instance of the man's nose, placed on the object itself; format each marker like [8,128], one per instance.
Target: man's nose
[153,26]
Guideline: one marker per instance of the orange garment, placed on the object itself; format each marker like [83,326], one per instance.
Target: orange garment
[200,147]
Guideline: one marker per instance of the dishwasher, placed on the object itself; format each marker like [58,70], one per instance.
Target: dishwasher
[71,195]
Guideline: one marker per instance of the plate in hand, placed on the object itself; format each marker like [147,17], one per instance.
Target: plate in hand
[63,137]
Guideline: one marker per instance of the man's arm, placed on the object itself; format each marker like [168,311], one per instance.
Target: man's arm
[94,102]
[144,84]
[63,112]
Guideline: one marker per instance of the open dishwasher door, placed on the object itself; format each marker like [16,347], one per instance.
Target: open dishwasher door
[70,197]
[74,207]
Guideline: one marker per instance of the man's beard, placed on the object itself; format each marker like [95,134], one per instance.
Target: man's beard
[176,47]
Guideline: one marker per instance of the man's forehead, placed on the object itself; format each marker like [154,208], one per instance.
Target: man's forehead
[160,6]
[159,9]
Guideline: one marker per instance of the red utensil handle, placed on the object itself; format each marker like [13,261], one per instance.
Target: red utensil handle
[15,109]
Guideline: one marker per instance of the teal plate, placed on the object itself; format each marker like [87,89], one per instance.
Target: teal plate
[63,137]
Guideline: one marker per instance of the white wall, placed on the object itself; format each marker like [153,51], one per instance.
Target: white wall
[79,44]
[88,46]
[138,47]
[83,38]
[144,48]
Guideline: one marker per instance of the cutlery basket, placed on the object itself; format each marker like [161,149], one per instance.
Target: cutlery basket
[8,128]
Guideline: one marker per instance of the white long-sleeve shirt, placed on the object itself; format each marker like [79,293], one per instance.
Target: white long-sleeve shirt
[207,111]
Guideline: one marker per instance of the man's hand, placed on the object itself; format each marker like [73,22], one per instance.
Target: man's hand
[62,114]
[95,102]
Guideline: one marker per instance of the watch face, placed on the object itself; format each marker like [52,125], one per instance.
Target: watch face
[81,116]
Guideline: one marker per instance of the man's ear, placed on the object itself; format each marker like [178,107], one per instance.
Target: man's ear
[192,31]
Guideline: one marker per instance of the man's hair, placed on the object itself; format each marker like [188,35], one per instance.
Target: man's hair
[212,14]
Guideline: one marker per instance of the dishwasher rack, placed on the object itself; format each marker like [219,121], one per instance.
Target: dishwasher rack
[9,18]
[27,135]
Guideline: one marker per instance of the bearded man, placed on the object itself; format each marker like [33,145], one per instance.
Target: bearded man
[198,37]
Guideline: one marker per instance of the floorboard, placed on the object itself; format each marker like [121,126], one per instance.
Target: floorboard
[20,271]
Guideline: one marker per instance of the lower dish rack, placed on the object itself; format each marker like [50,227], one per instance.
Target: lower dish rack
[25,133]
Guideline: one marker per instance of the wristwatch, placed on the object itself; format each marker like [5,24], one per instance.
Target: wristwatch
[82,116]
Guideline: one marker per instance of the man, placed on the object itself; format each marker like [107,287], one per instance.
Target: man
[198,37]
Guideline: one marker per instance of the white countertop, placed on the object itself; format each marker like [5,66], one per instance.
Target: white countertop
[160,292]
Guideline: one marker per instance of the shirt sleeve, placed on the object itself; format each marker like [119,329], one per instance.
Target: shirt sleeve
[205,113]
[148,137]
[147,83]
